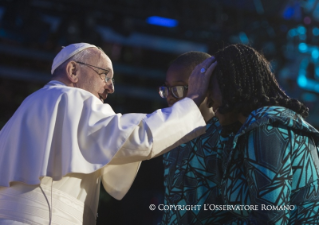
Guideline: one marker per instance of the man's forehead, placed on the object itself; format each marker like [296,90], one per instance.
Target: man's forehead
[181,72]
[94,54]
[106,63]
[100,57]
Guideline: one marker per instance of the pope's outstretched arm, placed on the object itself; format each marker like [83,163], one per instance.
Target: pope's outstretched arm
[161,137]
[60,130]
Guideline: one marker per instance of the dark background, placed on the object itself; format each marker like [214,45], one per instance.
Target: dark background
[33,31]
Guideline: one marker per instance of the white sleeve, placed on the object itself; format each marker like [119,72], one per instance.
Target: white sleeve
[60,130]
[160,132]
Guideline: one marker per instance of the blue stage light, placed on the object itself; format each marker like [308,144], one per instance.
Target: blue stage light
[302,81]
[161,21]
[243,38]
[309,97]
[303,47]
[292,33]
[301,30]
[288,13]
[315,53]
[315,31]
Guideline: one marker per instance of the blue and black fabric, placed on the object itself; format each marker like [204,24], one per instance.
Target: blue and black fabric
[192,176]
[273,163]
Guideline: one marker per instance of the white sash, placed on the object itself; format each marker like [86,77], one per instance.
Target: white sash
[29,204]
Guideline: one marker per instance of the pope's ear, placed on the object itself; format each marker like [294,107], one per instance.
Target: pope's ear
[72,71]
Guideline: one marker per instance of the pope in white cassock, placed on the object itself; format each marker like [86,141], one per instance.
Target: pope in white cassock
[63,141]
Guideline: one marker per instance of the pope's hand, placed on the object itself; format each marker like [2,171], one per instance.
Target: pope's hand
[199,80]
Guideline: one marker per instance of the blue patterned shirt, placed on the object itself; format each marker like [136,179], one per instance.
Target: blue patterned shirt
[273,165]
[267,173]
[192,178]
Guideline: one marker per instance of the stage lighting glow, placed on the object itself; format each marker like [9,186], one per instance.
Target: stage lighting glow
[307,20]
[315,54]
[302,81]
[243,38]
[288,13]
[309,5]
[161,21]
[309,97]
[315,31]
[303,47]
[301,30]
[292,33]
[259,6]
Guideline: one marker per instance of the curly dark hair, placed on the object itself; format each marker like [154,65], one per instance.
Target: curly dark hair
[247,83]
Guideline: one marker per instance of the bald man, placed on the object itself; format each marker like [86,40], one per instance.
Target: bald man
[63,141]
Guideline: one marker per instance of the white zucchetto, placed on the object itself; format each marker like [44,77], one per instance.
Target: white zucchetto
[67,52]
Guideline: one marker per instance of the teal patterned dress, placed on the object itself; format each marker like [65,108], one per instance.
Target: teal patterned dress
[266,173]
[273,167]
[192,177]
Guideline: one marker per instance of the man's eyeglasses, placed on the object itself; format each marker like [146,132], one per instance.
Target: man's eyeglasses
[102,75]
[177,91]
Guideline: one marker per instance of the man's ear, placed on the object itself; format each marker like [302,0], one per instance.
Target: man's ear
[72,71]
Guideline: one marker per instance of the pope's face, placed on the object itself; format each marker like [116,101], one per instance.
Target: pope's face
[89,78]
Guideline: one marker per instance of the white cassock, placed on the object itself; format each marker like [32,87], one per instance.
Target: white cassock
[62,142]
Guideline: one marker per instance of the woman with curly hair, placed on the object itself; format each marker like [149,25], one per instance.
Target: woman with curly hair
[271,164]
